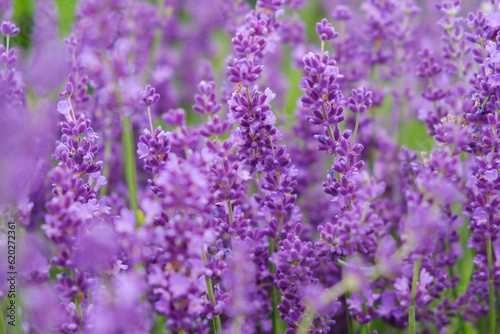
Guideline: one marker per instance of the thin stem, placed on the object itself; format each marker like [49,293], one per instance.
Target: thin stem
[451,271]
[365,212]
[249,102]
[431,85]
[129,165]
[7,43]
[71,108]
[79,309]
[373,73]
[3,328]
[236,326]
[332,293]
[401,109]
[350,323]
[355,129]
[156,41]
[230,211]
[365,329]
[78,306]
[217,323]
[493,146]
[230,214]
[322,49]
[150,120]
[19,313]
[491,315]
[278,324]
[411,315]
[275,297]
[498,304]
[105,168]
[329,127]
[108,285]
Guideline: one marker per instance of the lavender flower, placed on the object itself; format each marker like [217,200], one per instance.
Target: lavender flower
[260,204]
[9,29]
[325,30]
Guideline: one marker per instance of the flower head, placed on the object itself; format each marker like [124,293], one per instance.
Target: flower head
[9,29]
[325,30]
[149,96]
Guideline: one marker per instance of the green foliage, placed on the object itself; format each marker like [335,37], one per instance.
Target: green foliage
[66,10]
[23,18]
[414,136]
[293,75]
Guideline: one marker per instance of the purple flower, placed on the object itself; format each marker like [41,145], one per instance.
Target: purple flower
[325,30]
[206,103]
[174,117]
[9,29]
[360,100]
[154,149]
[149,96]
[341,12]
[64,107]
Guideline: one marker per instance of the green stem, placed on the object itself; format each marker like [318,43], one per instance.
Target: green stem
[350,323]
[329,127]
[156,43]
[230,211]
[355,129]
[411,315]
[105,169]
[498,304]
[249,102]
[3,328]
[451,271]
[274,293]
[217,323]
[491,315]
[78,306]
[150,120]
[19,320]
[129,164]
[278,324]
[401,110]
[79,309]
[365,329]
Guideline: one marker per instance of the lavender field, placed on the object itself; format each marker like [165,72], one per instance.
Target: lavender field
[250,166]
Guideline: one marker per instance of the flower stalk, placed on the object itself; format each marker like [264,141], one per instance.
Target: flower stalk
[211,296]
[411,314]
[491,288]
[130,165]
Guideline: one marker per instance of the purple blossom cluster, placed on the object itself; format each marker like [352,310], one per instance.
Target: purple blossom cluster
[269,166]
